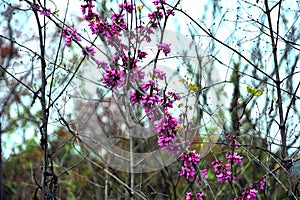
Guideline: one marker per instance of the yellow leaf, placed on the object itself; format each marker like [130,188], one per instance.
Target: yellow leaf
[254,91]
[193,87]
[139,8]
[277,166]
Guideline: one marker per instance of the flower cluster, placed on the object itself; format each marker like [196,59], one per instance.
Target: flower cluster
[159,73]
[261,184]
[248,194]
[99,26]
[166,127]
[166,48]
[190,160]
[170,12]
[89,50]
[141,54]
[232,142]
[251,193]
[69,34]
[45,12]
[159,13]
[222,171]
[234,158]
[189,196]
[156,105]
[42,11]
[113,77]
[127,6]
[157,2]
[204,175]
[156,15]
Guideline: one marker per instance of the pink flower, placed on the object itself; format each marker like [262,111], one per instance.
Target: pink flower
[102,64]
[204,173]
[70,34]
[188,172]
[166,48]
[156,2]
[166,125]
[136,97]
[262,184]
[189,161]
[222,171]
[45,12]
[68,40]
[141,54]
[189,196]
[249,194]
[170,12]
[113,77]
[88,51]
[156,15]
[159,74]
[191,158]
[127,6]
[234,158]
[233,143]
[146,85]
[199,196]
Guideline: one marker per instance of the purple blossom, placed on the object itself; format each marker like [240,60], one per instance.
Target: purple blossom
[70,34]
[102,64]
[89,50]
[189,196]
[166,48]
[156,2]
[204,175]
[189,161]
[191,158]
[187,172]
[167,142]
[233,143]
[90,14]
[222,171]
[151,100]
[127,6]
[136,97]
[113,77]
[45,12]
[137,74]
[199,196]
[118,24]
[170,12]
[167,125]
[249,194]
[99,27]
[142,54]
[68,40]
[159,73]
[156,15]
[146,85]
[261,184]
[234,158]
